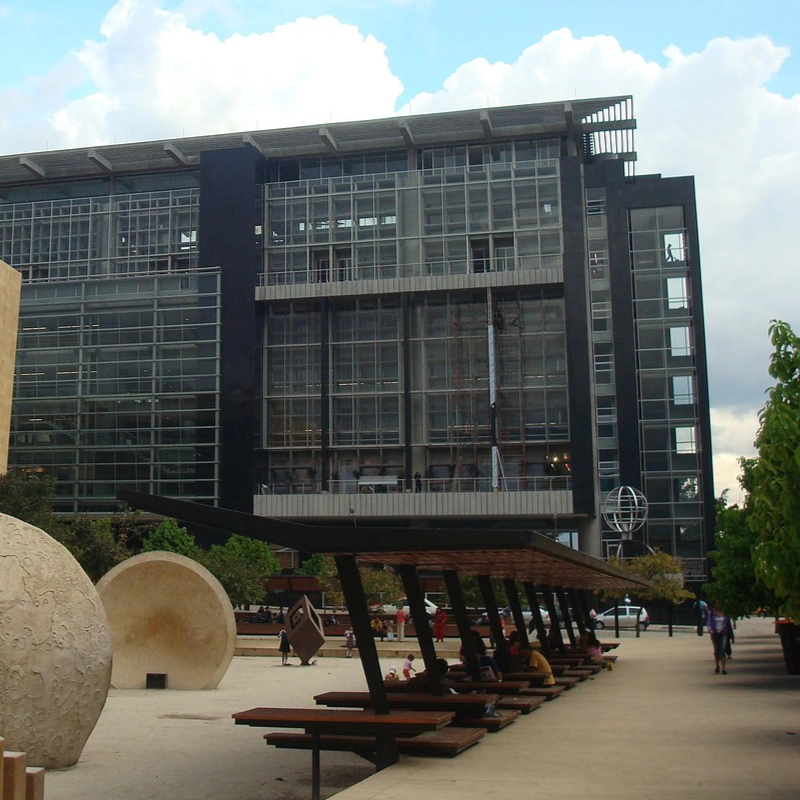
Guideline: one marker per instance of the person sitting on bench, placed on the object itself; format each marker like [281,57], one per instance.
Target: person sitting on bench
[421,682]
[539,663]
[488,670]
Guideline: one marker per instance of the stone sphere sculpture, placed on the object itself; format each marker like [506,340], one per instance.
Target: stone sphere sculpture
[172,624]
[55,648]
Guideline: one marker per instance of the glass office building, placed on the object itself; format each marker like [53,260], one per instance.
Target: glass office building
[476,318]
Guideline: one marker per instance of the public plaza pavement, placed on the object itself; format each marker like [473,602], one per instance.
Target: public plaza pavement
[660,725]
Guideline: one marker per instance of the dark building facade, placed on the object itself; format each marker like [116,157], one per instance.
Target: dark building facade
[477,317]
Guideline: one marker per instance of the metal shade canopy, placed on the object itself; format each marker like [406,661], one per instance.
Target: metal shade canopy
[514,554]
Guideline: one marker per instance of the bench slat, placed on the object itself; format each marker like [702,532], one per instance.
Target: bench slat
[447,742]
[499,720]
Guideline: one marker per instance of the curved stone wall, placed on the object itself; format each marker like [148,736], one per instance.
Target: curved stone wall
[55,648]
[169,616]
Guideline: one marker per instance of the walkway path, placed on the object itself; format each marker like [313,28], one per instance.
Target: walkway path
[661,725]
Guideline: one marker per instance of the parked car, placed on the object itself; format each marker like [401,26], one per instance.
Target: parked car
[430,607]
[527,614]
[627,617]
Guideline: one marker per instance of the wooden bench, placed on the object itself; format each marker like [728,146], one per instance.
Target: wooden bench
[522,703]
[547,692]
[494,687]
[535,680]
[498,720]
[316,722]
[525,704]
[447,742]
[462,706]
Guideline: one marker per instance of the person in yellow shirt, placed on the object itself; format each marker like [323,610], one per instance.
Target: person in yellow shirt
[541,664]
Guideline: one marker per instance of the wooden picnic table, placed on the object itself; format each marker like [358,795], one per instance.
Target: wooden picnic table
[462,705]
[317,721]
[493,687]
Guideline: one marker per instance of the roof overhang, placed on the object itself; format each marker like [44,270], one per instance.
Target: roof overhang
[522,555]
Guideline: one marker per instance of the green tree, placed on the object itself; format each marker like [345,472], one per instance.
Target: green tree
[382,586]
[662,570]
[242,565]
[774,502]
[473,597]
[30,500]
[170,536]
[735,584]
[314,565]
[95,544]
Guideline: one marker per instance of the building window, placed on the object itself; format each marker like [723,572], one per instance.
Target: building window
[682,390]
[679,342]
[685,440]
[677,296]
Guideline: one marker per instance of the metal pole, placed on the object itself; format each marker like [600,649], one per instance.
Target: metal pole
[493,393]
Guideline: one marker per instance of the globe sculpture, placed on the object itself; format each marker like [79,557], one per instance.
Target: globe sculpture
[55,648]
[625,510]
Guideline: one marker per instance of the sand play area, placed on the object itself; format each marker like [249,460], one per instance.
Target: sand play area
[661,725]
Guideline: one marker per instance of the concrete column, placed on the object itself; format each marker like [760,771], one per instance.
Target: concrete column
[589,537]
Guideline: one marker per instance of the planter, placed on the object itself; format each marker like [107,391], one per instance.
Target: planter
[790,642]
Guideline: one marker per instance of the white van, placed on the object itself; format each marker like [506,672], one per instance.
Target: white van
[430,607]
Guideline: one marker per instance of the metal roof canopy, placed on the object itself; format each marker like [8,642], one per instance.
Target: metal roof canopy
[514,554]
[609,120]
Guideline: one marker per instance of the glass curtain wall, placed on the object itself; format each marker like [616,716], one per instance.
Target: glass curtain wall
[450,431]
[498,213]
[667,382]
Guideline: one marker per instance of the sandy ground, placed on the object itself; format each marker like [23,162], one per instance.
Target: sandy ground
[661,725]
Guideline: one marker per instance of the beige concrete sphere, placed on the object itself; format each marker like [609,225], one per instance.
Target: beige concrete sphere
[55,648]
[169,616]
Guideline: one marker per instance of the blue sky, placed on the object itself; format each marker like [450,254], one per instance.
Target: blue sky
[716,88]
[428,39]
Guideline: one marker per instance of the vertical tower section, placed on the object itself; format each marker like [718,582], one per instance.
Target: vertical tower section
[228,220]
[660,360]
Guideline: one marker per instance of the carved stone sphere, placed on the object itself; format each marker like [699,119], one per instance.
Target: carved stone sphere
[55,648]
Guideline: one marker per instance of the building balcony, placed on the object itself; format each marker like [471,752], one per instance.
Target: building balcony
[432,498]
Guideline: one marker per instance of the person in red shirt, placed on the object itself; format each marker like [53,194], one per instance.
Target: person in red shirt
[439,621]
[400,619]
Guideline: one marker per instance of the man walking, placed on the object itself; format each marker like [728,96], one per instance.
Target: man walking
[701,612]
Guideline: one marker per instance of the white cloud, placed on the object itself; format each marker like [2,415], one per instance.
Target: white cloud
[151,75]
[734,433]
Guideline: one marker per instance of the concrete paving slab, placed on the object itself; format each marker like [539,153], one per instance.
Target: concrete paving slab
[662,724]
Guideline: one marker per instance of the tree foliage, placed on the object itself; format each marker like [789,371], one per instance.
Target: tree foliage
[735,584]
[97,544]
[242,566]
[775,492]
[314,565]
[30,500]
[172,538]
[473,597]
[662,570]
[382,585]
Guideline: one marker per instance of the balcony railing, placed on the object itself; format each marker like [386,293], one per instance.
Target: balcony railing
[392,485]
